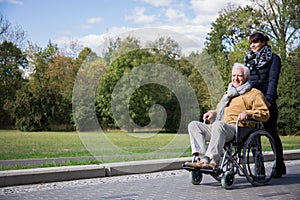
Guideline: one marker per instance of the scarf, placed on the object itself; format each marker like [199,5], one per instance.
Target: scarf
[258,59]
[230,94]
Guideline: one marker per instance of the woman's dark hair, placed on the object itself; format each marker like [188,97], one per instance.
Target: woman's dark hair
[258,37]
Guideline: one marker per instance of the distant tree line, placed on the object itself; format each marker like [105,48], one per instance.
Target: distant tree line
[36,84]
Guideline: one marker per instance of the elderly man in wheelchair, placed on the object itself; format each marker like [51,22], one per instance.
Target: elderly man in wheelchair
[219,146]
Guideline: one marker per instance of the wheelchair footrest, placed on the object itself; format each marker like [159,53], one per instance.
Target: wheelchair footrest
[202,170]
[188,168]
[209,171]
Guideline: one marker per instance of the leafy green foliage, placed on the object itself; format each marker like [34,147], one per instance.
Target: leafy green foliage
[231,27]
[163,52]
[45,98]
[119,47]
[108,82]
[279,19]
[31,111]
[12,60]
[289,93]
[84,90]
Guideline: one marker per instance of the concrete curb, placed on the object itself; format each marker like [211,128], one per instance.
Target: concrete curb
[145,166]
[53,174]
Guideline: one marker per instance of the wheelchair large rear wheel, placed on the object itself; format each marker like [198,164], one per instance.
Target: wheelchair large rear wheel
[259,158]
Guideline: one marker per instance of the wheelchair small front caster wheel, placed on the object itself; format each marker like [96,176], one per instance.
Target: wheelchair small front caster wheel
[195,177]
[227,180]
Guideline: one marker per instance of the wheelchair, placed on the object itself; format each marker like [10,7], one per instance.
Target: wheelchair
[251,154]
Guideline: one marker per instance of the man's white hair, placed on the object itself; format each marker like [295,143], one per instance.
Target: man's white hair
[242,66]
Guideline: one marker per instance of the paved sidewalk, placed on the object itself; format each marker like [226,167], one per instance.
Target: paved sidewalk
[52,174]
[164,185]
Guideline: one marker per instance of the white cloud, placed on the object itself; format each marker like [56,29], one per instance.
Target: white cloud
[207,7]
[158,3]
[94,20]
[138,16]
[91,21]
[175,16]
[17,2]
[189,20]
[206,11]
[113,31]
[189,37]
[91,40]
[94,41]
[196,33]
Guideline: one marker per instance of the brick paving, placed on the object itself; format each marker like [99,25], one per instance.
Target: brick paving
[159,185]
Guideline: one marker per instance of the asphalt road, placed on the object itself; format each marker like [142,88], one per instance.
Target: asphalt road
[160,185]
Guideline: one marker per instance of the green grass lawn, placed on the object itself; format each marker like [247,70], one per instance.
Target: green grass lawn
[112,146]
[24,145]
[27,145]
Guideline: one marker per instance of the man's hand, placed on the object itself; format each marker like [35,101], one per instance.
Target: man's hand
[207,117]
[243,116]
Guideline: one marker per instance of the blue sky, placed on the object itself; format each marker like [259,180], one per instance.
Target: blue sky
[89,21]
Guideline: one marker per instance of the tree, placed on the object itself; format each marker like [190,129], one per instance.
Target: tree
[83,99]
[72,49]
[166,46]
[118,47]
[61,73]
[32,110]
[138,108]
[206,81]
[39,60]
[49,89]
[289,93]
[36,102]
[12,61]
[11,33]
[84,56]
[108,82]
[277,18]
[231,27]
[281,21]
